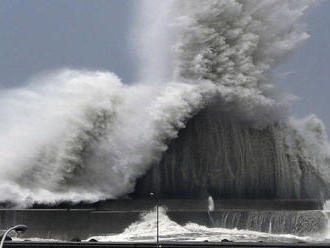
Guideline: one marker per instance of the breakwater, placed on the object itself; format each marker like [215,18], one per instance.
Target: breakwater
[113,217]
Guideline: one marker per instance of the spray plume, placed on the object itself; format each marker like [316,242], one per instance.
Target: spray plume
[86,136]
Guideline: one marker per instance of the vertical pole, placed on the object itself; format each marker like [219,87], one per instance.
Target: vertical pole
[157,223]
[152,195]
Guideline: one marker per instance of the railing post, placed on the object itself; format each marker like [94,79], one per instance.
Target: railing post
[152,195]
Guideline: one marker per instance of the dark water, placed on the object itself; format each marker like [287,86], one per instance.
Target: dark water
[220,155]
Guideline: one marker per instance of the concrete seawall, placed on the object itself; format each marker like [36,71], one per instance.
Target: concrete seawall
[65,224]
[163,245]
[194,204]
[70,224]
[114,216]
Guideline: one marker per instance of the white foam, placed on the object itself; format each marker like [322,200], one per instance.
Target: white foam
[86,136]
[144,230]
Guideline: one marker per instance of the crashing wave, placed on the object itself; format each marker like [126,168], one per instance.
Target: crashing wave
[85,136]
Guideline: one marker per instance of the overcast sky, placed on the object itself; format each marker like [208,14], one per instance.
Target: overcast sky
[38,35]
[41,35]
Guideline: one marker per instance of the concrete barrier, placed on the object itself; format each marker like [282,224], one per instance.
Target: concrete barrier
[162,245]
[65,224]
[62,224]
[195,204]
[114,216]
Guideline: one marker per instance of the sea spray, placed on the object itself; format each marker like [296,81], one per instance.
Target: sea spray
[86,136]
[152,37]
[235,45]
[244,145]
[144,230]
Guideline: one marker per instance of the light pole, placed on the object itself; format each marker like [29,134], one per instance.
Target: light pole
[152,195]
[18,228]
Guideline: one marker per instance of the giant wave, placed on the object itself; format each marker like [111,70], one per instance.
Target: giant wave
[205,91]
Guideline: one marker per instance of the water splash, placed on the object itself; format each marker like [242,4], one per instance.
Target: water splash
[144,230]
[85,136]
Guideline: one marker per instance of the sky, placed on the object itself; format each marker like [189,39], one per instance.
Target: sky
[44,35]
[41,35]
[308,69]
